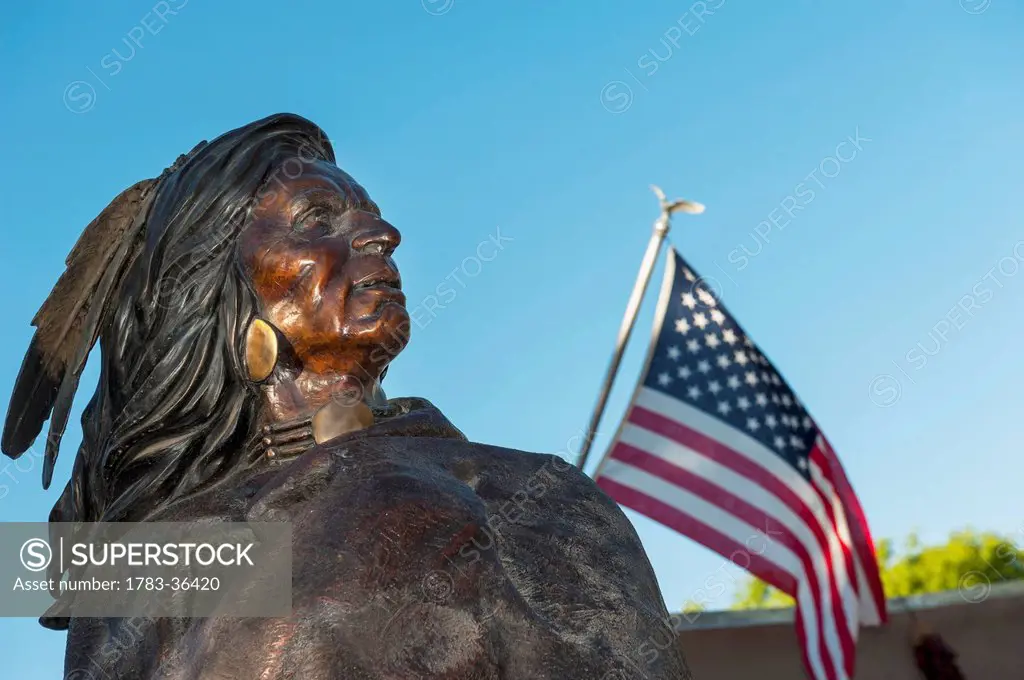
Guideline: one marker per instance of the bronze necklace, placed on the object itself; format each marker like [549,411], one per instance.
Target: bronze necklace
[294,437]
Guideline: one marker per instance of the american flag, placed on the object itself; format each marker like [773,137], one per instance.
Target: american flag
[716,446]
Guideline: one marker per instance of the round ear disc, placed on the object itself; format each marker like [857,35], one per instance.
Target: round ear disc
[260,350]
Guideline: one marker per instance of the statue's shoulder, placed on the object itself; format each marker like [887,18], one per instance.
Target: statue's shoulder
[541,491]
[545,480]
[572,554]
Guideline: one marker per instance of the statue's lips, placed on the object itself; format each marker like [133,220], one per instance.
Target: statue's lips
[385,284]
[386,290]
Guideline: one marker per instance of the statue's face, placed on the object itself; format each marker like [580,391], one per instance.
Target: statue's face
[319,257]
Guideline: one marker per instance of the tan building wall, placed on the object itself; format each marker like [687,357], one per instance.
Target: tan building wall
[988,635]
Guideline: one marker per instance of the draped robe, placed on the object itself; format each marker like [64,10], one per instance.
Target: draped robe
[417,555]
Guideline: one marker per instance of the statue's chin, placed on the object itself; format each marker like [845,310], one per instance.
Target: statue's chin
[378,337]
[392,322]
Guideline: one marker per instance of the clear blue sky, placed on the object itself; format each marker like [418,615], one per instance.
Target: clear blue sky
[504,115]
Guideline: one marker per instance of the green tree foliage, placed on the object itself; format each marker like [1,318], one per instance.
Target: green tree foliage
[969,561]
[756,594]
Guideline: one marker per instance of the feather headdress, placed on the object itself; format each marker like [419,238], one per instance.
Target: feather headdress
[72,318]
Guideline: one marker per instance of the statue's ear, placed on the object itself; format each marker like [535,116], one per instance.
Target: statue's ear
[69,322]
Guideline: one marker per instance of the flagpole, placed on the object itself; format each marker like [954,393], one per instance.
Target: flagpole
[661,229]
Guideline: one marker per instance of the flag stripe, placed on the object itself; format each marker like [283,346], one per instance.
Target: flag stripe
[725,545]
[833,508]
[867,609]
[757,459]
[846,573]
[841,552]
[863,543]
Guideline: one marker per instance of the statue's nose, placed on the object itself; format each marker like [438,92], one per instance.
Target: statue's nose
[372,234]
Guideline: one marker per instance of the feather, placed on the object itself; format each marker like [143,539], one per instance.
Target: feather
[58,423]
[61,323]
[34,392]
[65,309]
[90,328]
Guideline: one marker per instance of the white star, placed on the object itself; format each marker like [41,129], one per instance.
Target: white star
[699,320]
[706,297]
[748,342]
[761,400]
[664,379]
[775,398]
[714,387]
[752,424]
[733,382]
[683,372]
[743,403]
[724,408]
[723,361]
[693,346]
[689,301]
[765,377]
[703,366]
[795,442]
[775,379]
[729,335]
[688,275]
[786,401]
[751,378]
[780,443]
[801,462]
[682,326]
[674,353]
[712,340]
[807,423]
[693,392]
[741,357]
[770,421]
[717,316]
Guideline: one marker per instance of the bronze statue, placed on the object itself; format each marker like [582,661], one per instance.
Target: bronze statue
[247,306]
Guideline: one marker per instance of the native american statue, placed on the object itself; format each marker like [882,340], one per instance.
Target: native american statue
[247,305]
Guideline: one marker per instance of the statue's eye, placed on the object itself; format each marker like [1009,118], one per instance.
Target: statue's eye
[313,218]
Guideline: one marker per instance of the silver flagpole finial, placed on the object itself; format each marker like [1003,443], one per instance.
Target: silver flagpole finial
[678,205]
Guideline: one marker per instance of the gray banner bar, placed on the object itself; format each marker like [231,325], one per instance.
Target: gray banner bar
[152,569]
